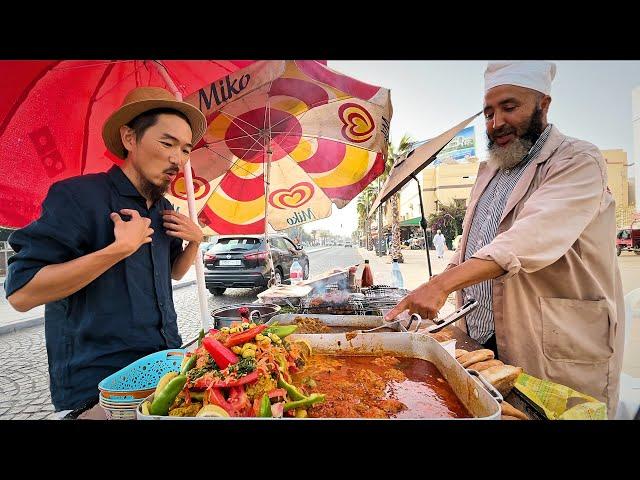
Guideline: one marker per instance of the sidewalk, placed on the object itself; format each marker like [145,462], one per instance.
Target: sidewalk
[11,320]
[414,270]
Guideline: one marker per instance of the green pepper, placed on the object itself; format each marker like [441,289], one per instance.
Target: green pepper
[162,402]
[197,396]
[307,402]
[200,337]
[265,406]
[293,392]
[187,364]
[284,368]
[282,331]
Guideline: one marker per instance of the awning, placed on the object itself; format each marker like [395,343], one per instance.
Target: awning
[408,166]
[411,222]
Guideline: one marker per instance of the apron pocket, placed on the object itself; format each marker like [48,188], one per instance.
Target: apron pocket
[576,331]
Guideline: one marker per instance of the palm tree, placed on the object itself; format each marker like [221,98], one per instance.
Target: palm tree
[393,155]
[365,201]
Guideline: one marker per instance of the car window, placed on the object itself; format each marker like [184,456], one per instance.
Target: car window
[281,244]
[236,243]
[289,244]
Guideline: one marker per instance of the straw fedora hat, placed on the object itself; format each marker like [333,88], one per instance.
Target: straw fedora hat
[143,99]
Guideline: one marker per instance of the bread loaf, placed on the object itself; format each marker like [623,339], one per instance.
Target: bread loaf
[479,366]
[508,409]
[460,352]
[475,357]
[502,377]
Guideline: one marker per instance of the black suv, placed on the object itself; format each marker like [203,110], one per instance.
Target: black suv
[240,261]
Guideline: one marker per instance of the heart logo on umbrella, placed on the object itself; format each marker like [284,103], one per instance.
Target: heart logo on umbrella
[358,123]
[294,197]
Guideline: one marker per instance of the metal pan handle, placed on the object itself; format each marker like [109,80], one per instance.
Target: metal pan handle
[471,305]
[490,388]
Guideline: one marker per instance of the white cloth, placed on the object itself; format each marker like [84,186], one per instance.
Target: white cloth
[536,75]
[439,242]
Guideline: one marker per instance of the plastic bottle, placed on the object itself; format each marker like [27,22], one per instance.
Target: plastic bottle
[367,276]
[398,281]
[295,273]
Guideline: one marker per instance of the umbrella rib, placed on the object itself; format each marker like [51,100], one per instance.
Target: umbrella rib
[92,100]
[23,96]
[135,72]
[233,163]
[311,107]
[62,69]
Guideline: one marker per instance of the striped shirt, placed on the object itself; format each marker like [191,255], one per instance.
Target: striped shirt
[483,230]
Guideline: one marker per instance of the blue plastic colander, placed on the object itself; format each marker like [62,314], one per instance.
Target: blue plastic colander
[138,380]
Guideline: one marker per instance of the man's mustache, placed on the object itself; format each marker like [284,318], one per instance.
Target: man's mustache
[172,171]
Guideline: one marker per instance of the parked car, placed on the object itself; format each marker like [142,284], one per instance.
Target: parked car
[348,244]
[628,238]
[241,261]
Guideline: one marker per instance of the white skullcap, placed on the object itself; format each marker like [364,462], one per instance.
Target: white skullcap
[530,74]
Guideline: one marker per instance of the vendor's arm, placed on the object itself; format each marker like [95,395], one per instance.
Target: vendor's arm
[182,228]
[428,298]
[60,280]
[550,222]
[553,217]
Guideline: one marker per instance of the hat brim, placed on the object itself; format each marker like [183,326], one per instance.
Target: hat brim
[126,113]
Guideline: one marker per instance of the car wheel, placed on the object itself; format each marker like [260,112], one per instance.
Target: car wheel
[217,290]
[278,275]
[619,251]
[305,271]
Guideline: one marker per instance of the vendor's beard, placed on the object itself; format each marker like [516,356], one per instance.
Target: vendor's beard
[511,154]
[150,190]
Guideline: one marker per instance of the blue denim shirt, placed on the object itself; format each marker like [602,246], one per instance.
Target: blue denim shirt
[125,313]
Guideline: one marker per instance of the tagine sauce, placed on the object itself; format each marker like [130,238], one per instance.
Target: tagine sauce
[379,387]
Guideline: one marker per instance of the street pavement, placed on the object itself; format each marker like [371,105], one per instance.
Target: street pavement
[24,373]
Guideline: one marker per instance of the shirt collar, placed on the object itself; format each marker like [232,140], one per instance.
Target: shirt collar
[122,182]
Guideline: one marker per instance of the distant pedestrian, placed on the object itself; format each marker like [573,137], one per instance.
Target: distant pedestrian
[439,242]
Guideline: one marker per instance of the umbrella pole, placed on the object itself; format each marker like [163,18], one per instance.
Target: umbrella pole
[423,224]
[191,202]
[266,207]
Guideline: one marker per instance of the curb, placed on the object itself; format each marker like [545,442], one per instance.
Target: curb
[33,322]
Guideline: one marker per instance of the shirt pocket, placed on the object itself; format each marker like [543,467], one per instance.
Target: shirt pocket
[576,331]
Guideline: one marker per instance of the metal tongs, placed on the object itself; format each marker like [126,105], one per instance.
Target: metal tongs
[469,306]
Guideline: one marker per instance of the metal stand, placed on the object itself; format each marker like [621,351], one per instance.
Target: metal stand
[423,224]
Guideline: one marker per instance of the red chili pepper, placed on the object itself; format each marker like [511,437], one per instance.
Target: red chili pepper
[213,331]
[220,354]
[250,378]
[244,337]
[244,314]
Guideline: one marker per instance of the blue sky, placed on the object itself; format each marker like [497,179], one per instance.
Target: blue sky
[591,100]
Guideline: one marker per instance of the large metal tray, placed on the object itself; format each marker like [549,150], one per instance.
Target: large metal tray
[352,322]
[480,403]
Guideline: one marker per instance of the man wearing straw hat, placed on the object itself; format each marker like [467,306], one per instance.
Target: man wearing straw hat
[550,296]
[105,248]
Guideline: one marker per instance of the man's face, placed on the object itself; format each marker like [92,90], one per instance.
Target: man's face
[515,117]
[161,152]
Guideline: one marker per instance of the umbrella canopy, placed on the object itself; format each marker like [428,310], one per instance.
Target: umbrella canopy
[285,140]
[414,161]
[51,117]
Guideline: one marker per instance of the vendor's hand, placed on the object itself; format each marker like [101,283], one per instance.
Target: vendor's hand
[180,226]
[132,234]
[426,300]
